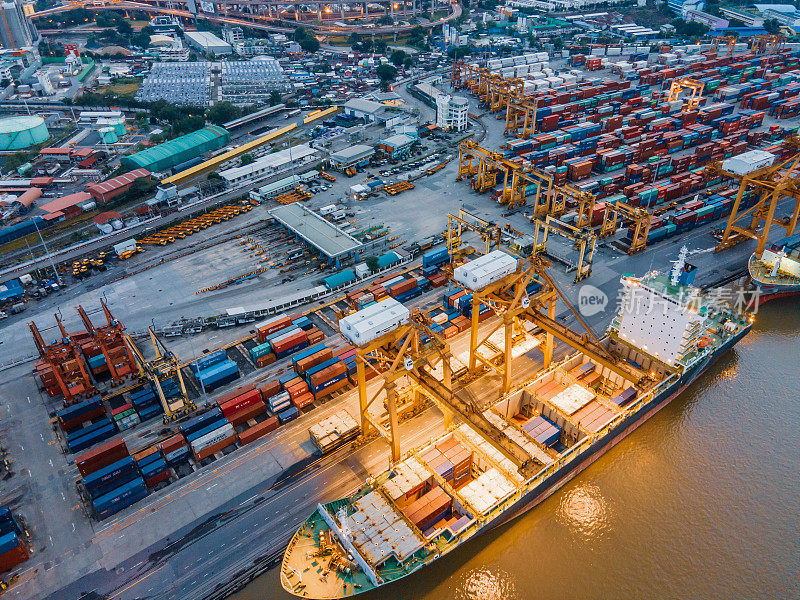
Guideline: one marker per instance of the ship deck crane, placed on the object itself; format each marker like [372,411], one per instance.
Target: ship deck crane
[679,86]
[772,183]
[582,238]
[65,360]
[164,366]
[107,337]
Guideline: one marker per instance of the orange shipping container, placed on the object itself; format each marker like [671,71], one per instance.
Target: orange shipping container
[266,359]
[304,400]
[329,390]
[214,448]
[269,389]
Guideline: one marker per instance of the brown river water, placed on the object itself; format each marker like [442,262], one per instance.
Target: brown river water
[702,501]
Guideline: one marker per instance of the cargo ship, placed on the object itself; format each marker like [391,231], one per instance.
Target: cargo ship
[776,274]
[460,485]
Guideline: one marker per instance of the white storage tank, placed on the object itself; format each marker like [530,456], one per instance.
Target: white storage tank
[487,269]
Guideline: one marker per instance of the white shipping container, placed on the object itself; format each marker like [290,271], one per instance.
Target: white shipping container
[285,334]
[270,321]
[392,315]
[125,246]
[346,323]
[212,437]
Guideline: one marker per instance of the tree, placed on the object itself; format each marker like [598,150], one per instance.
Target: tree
[379,46]
[386,20]
[300,34]
[558,43]
[309,44]
[416,36]
[274,97]
[222,112]
[372,263]
[386,72]
[734,22]
[214,175]
[247,159]
[124,28]
[691,30]
[408,62]
[772,26]
[397,57]
[354,39]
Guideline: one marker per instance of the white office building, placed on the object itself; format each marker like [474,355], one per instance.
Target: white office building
[452,112]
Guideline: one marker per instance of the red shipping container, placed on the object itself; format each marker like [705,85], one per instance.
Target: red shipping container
[72,423]
[13,557]
[102,456]
[283,323]
[292,382]
[257,431]
[233,394]
[173,443]
[290,342]
[269,389]
[245,414]
[265,360]
[241,402]
[157,478]
[403,286]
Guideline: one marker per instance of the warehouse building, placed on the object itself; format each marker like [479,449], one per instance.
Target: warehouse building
[208,43]
[353,156]
[397,146]
[70,206]
[315,231]
[284,184]
[192,145]
[107,190]
[298,156]
[359,108]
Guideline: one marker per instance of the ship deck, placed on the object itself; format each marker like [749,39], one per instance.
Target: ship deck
[456,485]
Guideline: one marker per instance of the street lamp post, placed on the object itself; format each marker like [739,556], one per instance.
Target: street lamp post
[47,252]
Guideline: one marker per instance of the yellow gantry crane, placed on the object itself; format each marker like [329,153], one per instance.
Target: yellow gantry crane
[727,41]
[521,115]
[773,184]
[465,221]
[640,218]
[583,240]
[163,367]
[679,86]
[767,44]
[418,358]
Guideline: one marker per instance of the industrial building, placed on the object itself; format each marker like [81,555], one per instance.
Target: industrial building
[370,111]
[18,133]
[17,30]
[171,153]
[186,83]
[208,43]
[279,186]
[251,82]
[297,156]
[110,189]
[352,156]
[315,231]
[452,112]
[397,146]
[69,206]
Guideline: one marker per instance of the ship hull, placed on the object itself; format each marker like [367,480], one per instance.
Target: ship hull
[561,477]
[767,290]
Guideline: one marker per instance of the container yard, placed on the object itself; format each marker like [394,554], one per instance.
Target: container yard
[334,341]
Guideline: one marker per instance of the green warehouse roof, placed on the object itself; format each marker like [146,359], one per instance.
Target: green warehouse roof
[339,278]
[174,152]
